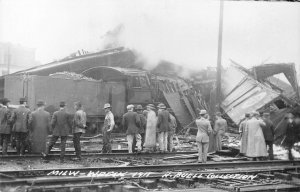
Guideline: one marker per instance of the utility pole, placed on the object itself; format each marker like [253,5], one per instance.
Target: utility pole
[219,61]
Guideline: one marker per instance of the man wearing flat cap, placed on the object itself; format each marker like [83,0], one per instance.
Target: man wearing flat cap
[5,124]
[40,128]
[109,124]
[60,124]
[22,120]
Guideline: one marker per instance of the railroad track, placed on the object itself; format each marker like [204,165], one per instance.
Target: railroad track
[97,155]
[241,176]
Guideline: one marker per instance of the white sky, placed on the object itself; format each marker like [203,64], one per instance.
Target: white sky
[184,32]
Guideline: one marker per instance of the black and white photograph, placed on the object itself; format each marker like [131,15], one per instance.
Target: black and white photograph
[149,95]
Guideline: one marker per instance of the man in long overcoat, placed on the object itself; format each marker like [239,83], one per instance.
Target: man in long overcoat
[40,128]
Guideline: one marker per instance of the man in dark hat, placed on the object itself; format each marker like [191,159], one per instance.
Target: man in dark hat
[79,126]
[22,120]
[269,132]
[60,124]
[163,120]
[5,125]
[40,128]
[139,110]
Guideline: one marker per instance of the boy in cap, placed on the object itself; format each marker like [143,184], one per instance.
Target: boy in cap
[5,125]
[108,126]
[60,124]
[79,126]
[163,120]
[22,120]
[40,128]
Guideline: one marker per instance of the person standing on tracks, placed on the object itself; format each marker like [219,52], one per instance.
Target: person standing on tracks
[22,121]
[243,130]
[5,124]
[163,120]
[139,110]
[172,130]
[132,123]
[109,124]
[40,128]
[219,130]
[79,127]
[256,147]
[269,132]
[60,124]
[202,138]
[150,139]
[291,134]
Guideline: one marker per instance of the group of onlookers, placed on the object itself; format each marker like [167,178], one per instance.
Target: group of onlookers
[30,129]
[146,127]
[258,134]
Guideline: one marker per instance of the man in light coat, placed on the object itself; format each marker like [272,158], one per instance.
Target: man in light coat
[256,147]
[108,126]
[78,128]
[132,123]
[202,138]
[40,128]
[243,130]
[219,130]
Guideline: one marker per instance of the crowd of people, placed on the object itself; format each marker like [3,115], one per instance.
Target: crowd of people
[144,129]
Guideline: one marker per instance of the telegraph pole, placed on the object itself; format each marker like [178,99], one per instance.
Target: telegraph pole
[219,61]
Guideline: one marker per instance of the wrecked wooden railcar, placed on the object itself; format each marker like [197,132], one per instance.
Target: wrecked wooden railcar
[247,92]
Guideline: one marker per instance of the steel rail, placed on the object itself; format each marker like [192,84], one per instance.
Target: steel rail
[99,155]
[162,167]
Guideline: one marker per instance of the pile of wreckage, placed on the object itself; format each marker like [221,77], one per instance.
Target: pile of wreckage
[256,89]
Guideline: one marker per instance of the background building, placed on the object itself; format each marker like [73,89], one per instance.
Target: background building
[14,57]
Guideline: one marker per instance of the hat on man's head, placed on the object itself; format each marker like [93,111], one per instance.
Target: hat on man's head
[62,104]
[151,106]
[203,112]
[106,105]
[130,107]
[23,99]
[4,101]
[139,107]
[40,103]
[161,106]
[170,110]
